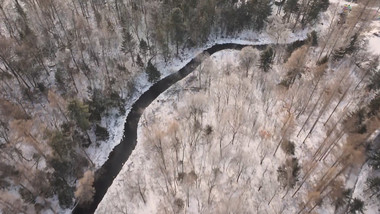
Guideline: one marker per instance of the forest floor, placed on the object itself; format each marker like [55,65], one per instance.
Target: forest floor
[115,124]
[260,166]
[123,195]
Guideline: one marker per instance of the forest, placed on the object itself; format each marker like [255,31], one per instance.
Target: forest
[287,128]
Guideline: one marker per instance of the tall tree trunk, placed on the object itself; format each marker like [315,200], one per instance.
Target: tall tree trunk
[312,111]
[298,15]
[336,106]
[331,31]
[15,73]
[310,97]
[357,20]
[312,167]
[331,146]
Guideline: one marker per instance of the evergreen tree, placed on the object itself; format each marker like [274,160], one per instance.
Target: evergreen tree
[229,19]
[324,4]
[349,49]
[139,61]
[152,72]
[102,101]
[374,186]
[357,206]
[374,83]
[313,9]
[311,13]
[287,173]
[261,12]
[79,112]
[61,144]
[339,54]
[63,190]
[97,105]
[352,46]
[128,44]
[313,38]
[244,15]
[178,29]
[161,33]
[266,59]
[343,199]
[290,7]
[374,105]
[288,147]
[101,133]
[205,18]
[374,159]
[143,47]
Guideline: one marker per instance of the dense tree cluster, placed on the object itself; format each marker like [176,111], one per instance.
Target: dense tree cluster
[266,59]
[65,65]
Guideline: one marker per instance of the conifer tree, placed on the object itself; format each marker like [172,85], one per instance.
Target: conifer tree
[356,206]
[374,106]
[177,27]
[353,45]
[61,145]
[339,54]
[128,44]
[152,72]
[313,9]
[349,49]
[374,186]
[290,7]
[261,12]
[266,59]
[374,83]
[287,174]
[143,46]
[79,112]
[313,37]
[139,61]
[374,159]
[340,197]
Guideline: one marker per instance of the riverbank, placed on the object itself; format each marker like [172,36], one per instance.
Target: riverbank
[102,182]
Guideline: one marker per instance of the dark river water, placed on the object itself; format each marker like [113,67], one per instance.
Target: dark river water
[119,155]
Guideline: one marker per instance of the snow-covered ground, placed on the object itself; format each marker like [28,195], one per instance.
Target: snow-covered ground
[115,124]
[276,33]
[140,163]
[361,191]
[374,37]
[252,151]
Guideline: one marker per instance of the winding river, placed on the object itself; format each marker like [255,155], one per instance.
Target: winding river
[119,155]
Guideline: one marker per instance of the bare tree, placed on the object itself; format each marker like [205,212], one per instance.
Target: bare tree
[248,57]
[85,191]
